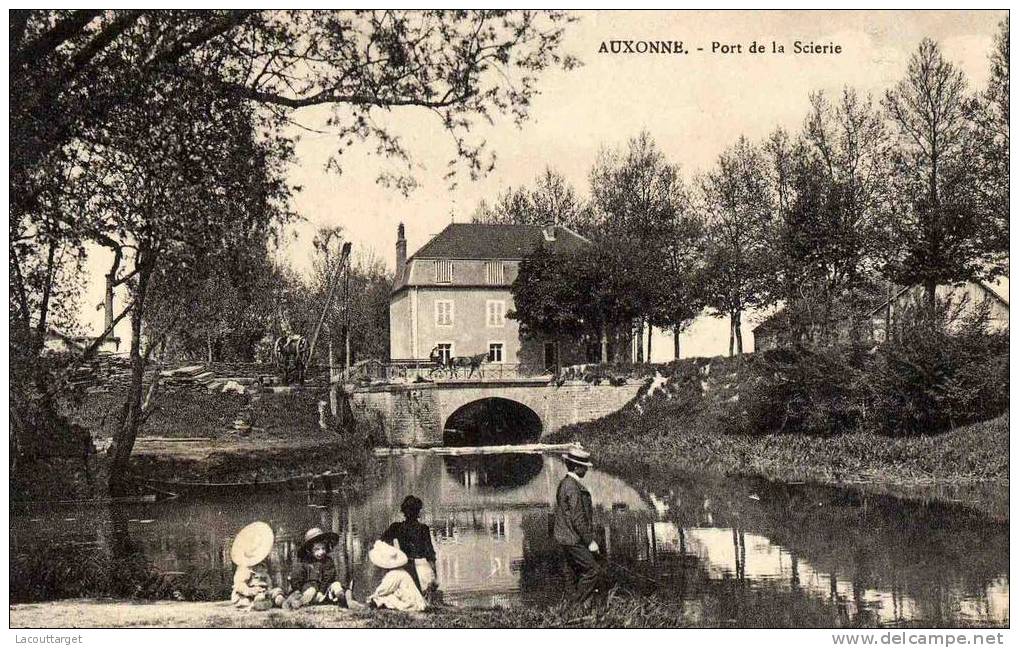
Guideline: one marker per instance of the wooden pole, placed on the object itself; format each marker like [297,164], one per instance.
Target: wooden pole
[346,317]
[329,298]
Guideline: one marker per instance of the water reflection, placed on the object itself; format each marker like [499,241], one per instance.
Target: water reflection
[872,560]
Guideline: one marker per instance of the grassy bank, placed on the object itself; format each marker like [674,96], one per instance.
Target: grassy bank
[730,606]
[690,423]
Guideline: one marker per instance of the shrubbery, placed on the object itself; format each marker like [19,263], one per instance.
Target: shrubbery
[930,377]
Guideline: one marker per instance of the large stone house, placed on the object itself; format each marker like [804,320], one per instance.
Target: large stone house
[453,295]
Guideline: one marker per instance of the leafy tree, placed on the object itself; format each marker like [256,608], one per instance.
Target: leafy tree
[550,298]
[829,191]
[678,299]
[639,203]
[181,187]
[738,207]
[989,114]
[70,70]
[936,224]
[552,201]
[157,121]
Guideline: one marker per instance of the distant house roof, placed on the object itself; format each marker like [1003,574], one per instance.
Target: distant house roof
[773,321]
[997,289]
[489,241]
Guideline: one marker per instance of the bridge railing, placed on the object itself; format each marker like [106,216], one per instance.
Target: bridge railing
[410,371]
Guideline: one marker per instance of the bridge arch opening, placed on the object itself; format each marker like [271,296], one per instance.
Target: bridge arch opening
[491,421]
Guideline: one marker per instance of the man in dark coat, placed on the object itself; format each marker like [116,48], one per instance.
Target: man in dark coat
[573,528]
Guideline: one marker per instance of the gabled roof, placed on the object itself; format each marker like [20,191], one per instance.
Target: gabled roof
[489,241]
[997,289]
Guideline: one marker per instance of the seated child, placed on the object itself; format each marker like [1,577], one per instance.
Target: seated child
[313,577]
[252,587]
[397,590]
[415,540]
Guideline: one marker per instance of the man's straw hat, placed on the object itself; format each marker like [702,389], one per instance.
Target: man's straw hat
[252,544]
[387,556]
[578,456]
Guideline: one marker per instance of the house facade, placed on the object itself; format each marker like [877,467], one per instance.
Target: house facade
[454,293]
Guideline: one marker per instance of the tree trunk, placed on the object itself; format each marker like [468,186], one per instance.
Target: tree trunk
[47,288]
[127,431]
[732,338]
[208,346]
[604,344]
[930,290]
[639,350]
[675,343]
[738,329]
[347,360]
[650,334]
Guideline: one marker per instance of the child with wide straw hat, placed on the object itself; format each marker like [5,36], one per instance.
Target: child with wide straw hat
[397,590]
[252,585]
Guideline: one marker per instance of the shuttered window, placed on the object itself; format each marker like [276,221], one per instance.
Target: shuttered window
[443,271]
[444,313]
[495,313]
[495,272]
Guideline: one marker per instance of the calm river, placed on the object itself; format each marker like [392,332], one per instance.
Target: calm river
[719,544]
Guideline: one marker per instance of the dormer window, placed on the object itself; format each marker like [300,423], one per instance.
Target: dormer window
[443,271]
[495,272]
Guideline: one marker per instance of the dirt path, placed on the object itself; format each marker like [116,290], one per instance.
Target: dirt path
[85,613]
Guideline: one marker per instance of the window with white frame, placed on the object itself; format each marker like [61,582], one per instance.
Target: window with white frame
[444,351]
[444,312]
[495,272]
[443,271]
[495,351]
[495,313]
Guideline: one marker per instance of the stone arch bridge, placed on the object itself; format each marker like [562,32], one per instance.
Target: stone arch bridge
[416,414]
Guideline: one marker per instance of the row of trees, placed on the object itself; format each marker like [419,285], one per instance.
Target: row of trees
[165,136]
[911,189]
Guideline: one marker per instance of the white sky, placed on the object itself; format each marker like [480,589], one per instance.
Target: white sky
[693,105]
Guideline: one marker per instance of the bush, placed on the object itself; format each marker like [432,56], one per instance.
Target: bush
[929,380]
[932,376]
[813,391]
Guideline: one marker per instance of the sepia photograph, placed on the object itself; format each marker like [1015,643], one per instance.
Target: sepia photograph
[509,319]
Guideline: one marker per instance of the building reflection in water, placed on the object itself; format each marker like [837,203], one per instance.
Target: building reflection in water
[489,516]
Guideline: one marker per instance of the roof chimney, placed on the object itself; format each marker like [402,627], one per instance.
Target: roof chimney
[549,232]
[401,251]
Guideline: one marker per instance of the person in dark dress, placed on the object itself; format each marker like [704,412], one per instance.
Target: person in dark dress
[414,539]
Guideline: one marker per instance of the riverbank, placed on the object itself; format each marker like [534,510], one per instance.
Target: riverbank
[109,613]
[662,436]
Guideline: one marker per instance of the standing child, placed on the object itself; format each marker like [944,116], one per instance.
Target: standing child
[252,586]
[313,577]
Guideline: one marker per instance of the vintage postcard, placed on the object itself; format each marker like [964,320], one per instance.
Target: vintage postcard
[509,319]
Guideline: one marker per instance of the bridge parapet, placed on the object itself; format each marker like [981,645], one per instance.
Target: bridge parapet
[413,371]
